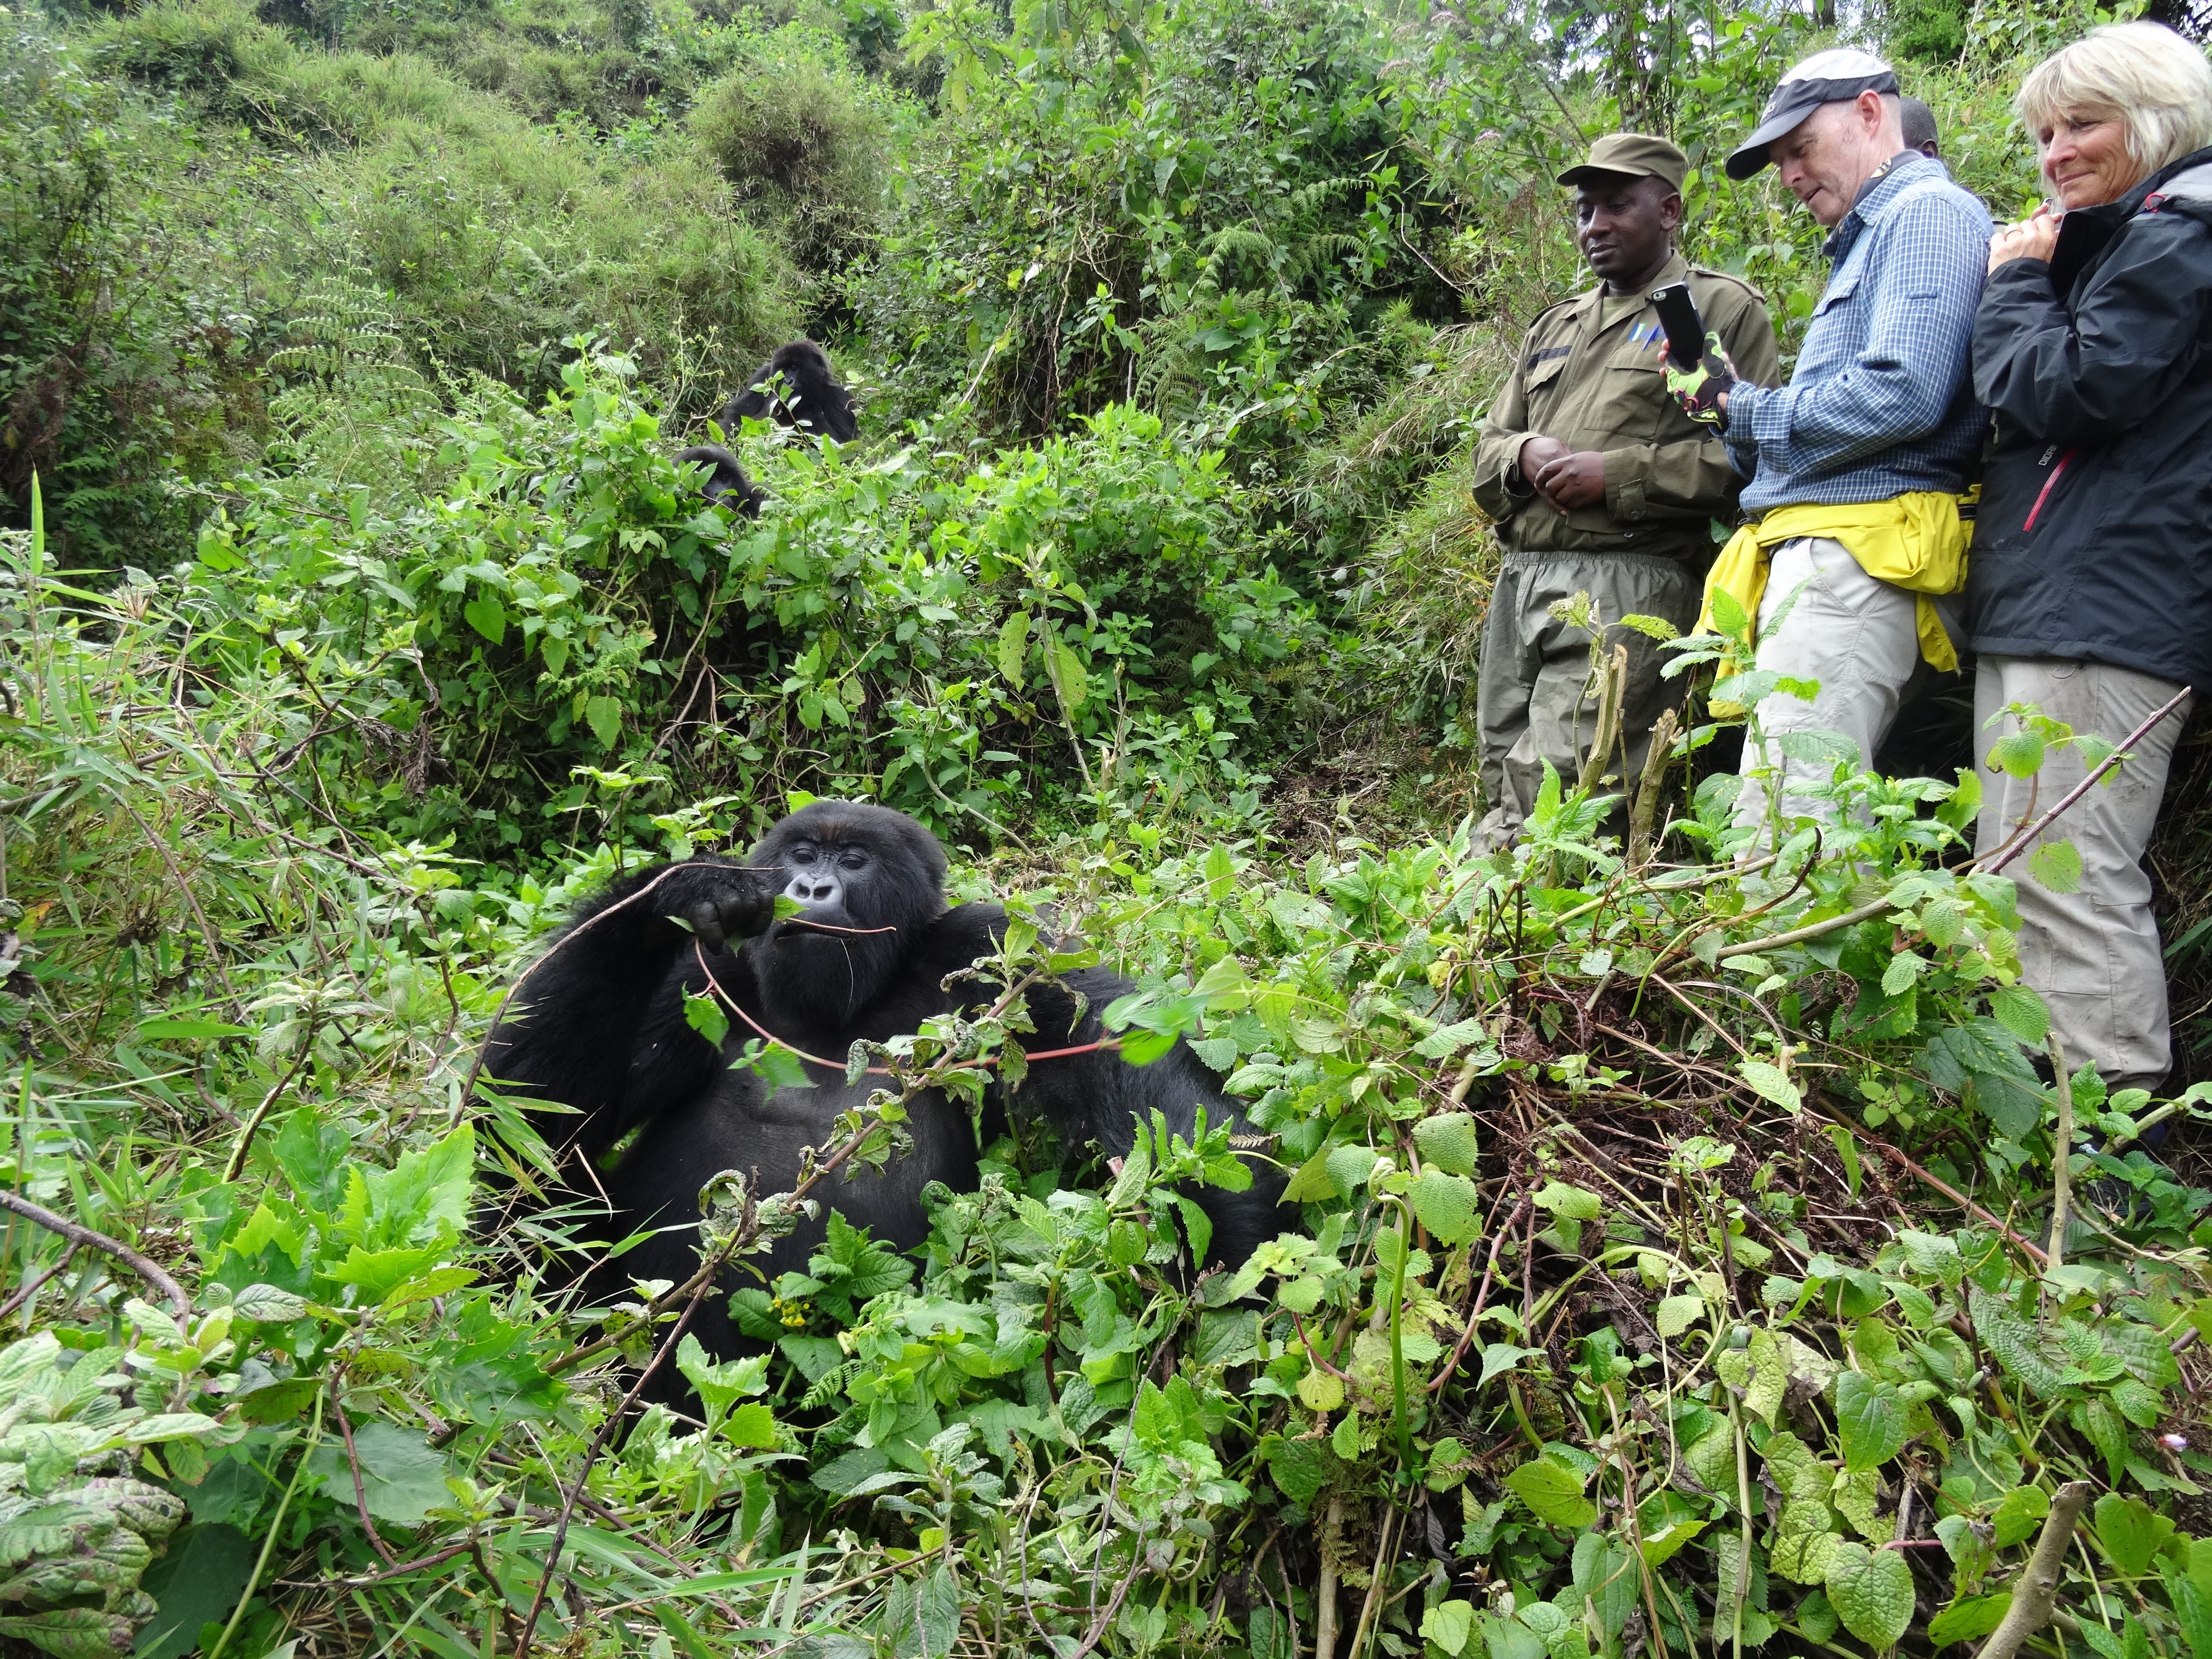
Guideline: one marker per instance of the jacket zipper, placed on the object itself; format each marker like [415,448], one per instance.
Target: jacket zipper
[2043,495]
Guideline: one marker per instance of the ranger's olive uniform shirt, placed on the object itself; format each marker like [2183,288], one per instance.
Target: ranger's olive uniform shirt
[1592,375]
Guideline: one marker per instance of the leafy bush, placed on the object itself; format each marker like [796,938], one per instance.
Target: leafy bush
[1050,622]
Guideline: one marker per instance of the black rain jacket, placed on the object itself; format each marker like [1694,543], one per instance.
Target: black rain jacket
[2093,540]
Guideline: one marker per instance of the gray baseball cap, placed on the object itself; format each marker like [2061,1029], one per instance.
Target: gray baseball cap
[1827,78]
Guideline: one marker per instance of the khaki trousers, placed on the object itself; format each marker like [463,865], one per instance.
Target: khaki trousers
[1824,618]
[2093,955]
[1535,696]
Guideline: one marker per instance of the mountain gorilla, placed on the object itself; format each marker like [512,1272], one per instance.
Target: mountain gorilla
[808,397]
[725,484]
[603,1031]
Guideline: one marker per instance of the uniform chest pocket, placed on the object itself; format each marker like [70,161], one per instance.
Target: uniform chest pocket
[1635,392]
[1831,336]
[1838,294]
[1543,367]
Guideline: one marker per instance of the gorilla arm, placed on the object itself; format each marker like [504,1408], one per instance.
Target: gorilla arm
[598,1025]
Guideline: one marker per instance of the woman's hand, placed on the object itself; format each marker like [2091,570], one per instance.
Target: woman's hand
[2031,238]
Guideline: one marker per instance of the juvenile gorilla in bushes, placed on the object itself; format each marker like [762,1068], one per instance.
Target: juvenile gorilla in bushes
[601,1029]
[725,484]
[796,387]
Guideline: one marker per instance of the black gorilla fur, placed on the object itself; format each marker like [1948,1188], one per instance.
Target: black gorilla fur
[603,1031]
[810,398]
[726,483]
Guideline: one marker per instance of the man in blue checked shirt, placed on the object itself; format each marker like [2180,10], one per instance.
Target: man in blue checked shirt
[1857,465]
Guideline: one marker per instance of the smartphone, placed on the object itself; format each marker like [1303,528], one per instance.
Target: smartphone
[1685,329]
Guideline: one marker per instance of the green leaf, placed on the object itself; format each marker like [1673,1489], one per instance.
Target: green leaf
[1446,1206]
[2019,754]
[2129,1533]
[1770,1375]
[1449,1625]
[1572,1203]
[1772,1083]
[196,1581]
[1871,1591]
[1870,1419]
[1065,669]
[1969,1619]
[1014,647]
[2057,865]
[2022,1012]
[604,715]
[487,617]
[1552,1492]
[2018,1513]
[402,1479]
[751,1425]
[1448,1142]
[188,1031]
[1677,1313]
[1498,1357]
[704,1015]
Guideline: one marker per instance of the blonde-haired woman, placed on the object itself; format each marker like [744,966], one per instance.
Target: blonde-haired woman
[2089,588]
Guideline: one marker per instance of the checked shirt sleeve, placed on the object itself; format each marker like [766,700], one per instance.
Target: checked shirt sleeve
[1916,302]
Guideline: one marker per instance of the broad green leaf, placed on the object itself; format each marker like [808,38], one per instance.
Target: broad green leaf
[1969,1619]
[2022,1012]
[704,1015]
[1661,1547]
[2129,1533]
[2057,866]
[1770,1375]
[1869,1420]
[604,715]
[1678,1313]
[1572,1203]
[2019,754]
[1552,1492]
[1771,1082]
[487,617]
[1499,1358]
[1448,1142]
[1446,1206]
[2018,1516]
[1449,1625]
[1871,1591]
[1014,647]
[1320,1392]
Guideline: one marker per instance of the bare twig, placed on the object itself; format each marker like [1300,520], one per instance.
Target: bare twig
[85,1236]
[236,1164]
[2037,1588]
[31,1287]
[360,1490]
[2018,844]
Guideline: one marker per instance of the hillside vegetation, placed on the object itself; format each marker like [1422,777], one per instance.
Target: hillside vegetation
[1683,1255]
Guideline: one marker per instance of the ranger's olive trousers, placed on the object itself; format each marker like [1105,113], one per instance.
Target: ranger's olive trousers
[2093,954]
[1535,698]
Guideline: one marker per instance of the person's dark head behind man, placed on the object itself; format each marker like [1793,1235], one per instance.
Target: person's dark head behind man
[1628,203]
[1919,124]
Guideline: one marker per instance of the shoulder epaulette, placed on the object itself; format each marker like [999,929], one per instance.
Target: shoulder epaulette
[1729,276]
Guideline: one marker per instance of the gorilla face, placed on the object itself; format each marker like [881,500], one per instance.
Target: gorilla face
[869,878]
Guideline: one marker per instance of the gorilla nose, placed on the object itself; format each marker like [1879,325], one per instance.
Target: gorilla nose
[813,889]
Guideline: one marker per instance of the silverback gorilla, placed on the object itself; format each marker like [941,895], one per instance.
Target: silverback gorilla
[725,484]
[808,397]
[603,1032]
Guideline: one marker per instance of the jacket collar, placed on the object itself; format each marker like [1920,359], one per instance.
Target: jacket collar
[2083,232]
[1590,308]
[1878,195]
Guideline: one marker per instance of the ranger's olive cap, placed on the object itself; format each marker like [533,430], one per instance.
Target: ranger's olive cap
[1636,153]
[1827,78]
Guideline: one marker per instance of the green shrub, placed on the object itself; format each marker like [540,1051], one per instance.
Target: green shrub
[802,143]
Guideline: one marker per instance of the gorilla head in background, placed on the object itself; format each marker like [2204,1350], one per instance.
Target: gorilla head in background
[797,388]
[599,1030]
[725,484]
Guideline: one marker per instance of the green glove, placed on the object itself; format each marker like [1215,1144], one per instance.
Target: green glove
[1699,390]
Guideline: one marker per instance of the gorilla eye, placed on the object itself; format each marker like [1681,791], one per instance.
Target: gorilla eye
[801,854]
[855,858]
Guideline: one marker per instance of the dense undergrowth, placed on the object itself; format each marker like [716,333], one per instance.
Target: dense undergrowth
[1670,1264]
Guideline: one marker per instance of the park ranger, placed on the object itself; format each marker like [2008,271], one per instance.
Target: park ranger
[1599,483]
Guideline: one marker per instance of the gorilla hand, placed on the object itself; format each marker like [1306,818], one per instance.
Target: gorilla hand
[722,902]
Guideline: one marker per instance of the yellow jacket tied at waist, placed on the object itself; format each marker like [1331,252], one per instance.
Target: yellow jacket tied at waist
[1916,541]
